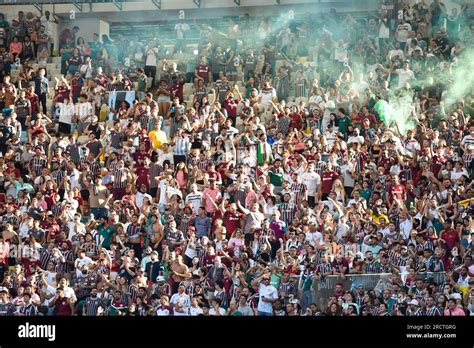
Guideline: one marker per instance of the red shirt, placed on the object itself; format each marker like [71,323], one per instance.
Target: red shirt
[223,167]
[232,222]
[203,71]
[369,117]
[76,89]
[62,93]
[209,260]
[438,161]
[296,121]
[451,237]
[140,157]
[142,174]
[27,263]
[327,179]
[49,197]
[397,191]
[102,79]
[215,175]
[63,308]
[33,98]
[177,90]
[15,171]
[79,200]
[230,105]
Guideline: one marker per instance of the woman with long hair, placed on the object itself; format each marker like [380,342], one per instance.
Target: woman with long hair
[334,310]
[182,176]
[82,46]
[218,150]
[163,97]
[236,241]
[201,179]
[74,62]
[338,189]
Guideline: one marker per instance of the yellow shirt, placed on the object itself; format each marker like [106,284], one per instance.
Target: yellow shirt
[377,219]
[158,138]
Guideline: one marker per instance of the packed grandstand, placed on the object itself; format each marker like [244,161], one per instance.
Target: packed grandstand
[304,164]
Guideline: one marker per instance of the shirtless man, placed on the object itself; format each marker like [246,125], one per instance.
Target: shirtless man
[156,234]
[180,272]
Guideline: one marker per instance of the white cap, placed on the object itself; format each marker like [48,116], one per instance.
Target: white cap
[330,104]
[456,296]
[414,302]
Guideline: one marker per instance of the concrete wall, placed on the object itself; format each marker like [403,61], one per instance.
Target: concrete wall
[87,27]
[229,5]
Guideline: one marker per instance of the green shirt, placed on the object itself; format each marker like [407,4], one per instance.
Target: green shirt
[390,302]
[166,271]
[114,311]
[307,282]
[344,123]
[142,83]
[66,52]
[365,194]
[276,179]
[107,233]
[275,280]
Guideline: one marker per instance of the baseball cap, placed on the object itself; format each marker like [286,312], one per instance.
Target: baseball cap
[456,296]
[160,278]
[414,302]
[330,105]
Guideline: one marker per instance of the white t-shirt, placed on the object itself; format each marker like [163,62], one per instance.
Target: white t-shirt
[151,56]
[268,291]
[51,291]
[81,229]
[361,201]
[165,156]
[79,263]
[181,29]
[394,53]
[195,200]
[406,227]
[346,171]
[468,139]
[139,197]
[340,53]
[66,112]
[195,311]
[212,311]
[184,299]
[311,236]
[384,31]
[456,175]
[74,178]
[267,96]
[356,139]
[402,32]
[84,110]
[163,186]
[269,210]
[330,137]
[404,76]
[312,181]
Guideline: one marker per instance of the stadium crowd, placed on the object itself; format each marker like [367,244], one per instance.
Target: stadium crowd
[241,173]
